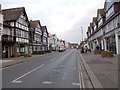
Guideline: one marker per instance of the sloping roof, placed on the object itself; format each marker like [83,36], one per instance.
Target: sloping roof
[94,19]
[44,28]
[91,24]
[101,12]
[12,14]
[34,23]
[89,29]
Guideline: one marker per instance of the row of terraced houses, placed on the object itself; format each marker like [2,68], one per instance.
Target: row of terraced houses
[104,30]
[20,36]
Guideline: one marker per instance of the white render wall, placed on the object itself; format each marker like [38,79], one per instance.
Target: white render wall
[117,40]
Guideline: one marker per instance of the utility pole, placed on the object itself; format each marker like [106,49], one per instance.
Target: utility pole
[82,32]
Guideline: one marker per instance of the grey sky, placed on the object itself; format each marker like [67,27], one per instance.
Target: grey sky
[63,17]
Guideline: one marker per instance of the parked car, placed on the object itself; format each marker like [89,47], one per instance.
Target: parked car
[62,49]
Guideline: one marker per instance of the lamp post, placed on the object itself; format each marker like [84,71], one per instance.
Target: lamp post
[82,32]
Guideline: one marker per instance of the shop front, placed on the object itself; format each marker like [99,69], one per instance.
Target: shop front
[118,41]
[7,51]
[22,49]
[111,43]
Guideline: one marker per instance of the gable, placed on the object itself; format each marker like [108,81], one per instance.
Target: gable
[98,16]
[13,14]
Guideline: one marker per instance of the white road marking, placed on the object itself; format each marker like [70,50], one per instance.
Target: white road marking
[56,70]
[64,77]
[53,59]
[82,80]
[74,68]
[47,82]
[27,73]
[16,81]
[76,84]
[80,74]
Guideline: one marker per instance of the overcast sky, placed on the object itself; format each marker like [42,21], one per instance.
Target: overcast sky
[62,17]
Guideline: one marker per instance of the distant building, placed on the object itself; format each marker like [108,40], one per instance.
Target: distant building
[50,42]
[54,44]
[35,36]
[44,38]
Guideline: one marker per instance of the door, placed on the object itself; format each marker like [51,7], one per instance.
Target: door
[7,51]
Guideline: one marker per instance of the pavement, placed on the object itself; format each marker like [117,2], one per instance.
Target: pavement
[105,70]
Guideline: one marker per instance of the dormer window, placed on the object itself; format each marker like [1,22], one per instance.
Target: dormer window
[109,12]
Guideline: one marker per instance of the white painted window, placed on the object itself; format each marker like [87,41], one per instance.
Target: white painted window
[100,22]
[118,24]
[110,12]
[17,39]
[6,31]
[12,23]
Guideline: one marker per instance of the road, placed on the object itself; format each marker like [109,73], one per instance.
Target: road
[58,70]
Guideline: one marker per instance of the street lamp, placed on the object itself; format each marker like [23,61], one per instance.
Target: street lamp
[82,32]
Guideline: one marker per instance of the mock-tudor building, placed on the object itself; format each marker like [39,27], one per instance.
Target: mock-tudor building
[18,20]
[112,26]
[8,41]
[35,36]
[44,38]
[106,28]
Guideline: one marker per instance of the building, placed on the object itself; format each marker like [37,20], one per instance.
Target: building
[18,20]
[106,28]
[35,36]
[50,42]
[8,41]
[112,26]
[44,38]
[54,43]
[1,30]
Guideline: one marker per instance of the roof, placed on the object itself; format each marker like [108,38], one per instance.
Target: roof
[6,24]
[89,29]
[94,19]
[91,24]
[101,12]
[12,14]
[34,23]
[44,28]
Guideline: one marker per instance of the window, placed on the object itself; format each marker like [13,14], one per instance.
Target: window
[110,12]
[118,23]
[100,22]
[12,23]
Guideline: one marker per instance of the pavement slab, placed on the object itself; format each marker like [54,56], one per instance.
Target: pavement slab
[105,69]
